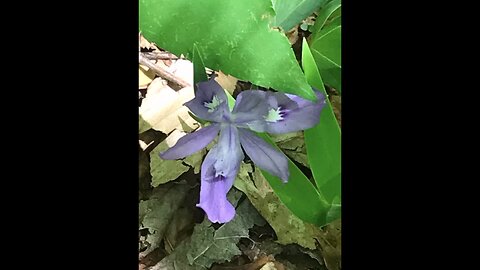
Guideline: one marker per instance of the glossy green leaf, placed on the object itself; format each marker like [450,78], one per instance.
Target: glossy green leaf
[291,12]
[231,36]
[330,9]
[323,141]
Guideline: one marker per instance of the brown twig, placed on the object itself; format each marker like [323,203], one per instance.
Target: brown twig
[160,55]
[161,72]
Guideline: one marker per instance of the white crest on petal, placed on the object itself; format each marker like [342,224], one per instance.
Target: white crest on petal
[213,104]
[274,115]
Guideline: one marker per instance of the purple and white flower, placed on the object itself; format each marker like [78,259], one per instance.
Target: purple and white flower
[260,111]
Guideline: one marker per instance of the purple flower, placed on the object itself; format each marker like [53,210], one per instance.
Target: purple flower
[256,110]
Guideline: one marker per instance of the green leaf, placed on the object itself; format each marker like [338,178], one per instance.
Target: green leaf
[299,194]
[326,50]
[288,228]
[328,10]
[231,36]
[325,43]
[291,12]
[199,74]
[323,141]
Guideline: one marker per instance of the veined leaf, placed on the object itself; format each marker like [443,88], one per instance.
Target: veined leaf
[323,141]
[328,10]
[326,48]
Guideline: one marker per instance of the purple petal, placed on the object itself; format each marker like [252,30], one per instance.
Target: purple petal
[250,105]
[210,102]
[264,155]
[192,142]
[294,113]
[218,173]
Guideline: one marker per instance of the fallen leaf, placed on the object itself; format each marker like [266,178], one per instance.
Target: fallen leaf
[207,245]
[163,170]
[144,43]
[293,144]
[176,232]
[292,35]
[162,108]
[157,211]
[331,245]
[145,76]
[227,82]
[288,228]
[142,125]
[182,69]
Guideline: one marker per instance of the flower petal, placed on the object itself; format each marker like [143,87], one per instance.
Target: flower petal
[264,155]
[210,102]
[192,142]
[250,105]
[294,113]
[218,173]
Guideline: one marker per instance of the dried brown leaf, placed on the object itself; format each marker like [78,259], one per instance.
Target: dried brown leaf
[145,77]
[228,82]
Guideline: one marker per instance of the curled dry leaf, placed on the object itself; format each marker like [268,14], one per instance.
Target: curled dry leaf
[162,108]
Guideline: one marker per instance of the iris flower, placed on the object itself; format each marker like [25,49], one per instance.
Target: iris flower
[256,110]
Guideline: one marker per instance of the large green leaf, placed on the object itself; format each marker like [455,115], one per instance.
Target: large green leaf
[326,12]
[291,12]
[325,44]
[323,141]
[231,36]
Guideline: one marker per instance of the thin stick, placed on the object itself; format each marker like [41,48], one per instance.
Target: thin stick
[160,55]
[161,72]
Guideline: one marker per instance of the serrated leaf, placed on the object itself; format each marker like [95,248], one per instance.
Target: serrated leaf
[232,36]
[291,12]
[163,170]
[323,141]
[288,228]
